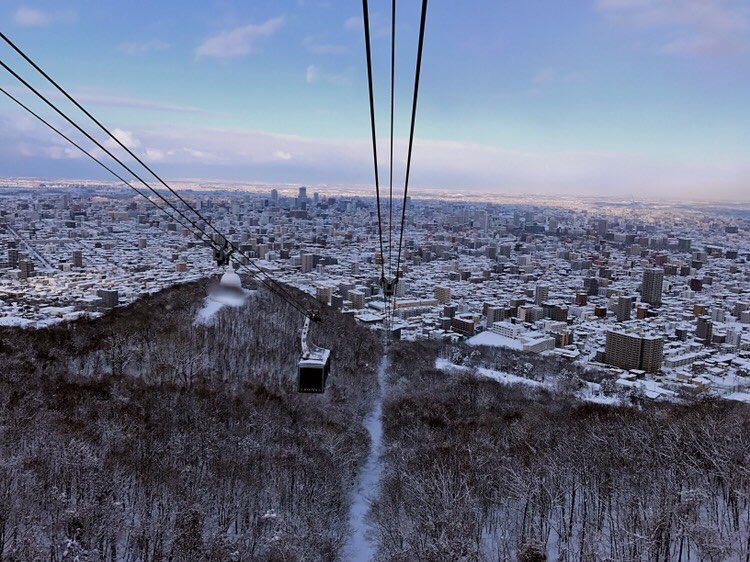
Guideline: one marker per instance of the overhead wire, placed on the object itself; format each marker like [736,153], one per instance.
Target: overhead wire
[389,311]
[417,72]
[393,103]
[366,21]
[309,310]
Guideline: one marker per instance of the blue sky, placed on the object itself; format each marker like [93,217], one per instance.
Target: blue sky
[623,97]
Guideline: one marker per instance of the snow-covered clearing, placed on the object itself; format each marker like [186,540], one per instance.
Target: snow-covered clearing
[359,548]
[589,393]
[213,304]
[15,321]
[493,339]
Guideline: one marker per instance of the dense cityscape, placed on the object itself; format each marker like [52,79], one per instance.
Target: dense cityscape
[316,281]
[652,293]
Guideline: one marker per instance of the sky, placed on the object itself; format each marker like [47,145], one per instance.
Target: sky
[628,98]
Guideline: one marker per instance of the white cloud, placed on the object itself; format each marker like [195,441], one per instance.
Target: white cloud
[136,103]
[354,23]
[311,74]
[686,26]
[238,41]
[198,153]
[117,101]
[447,165]
[135,48]
[62,153]
[154,155]
[26,16]
[125,137]
[316,46]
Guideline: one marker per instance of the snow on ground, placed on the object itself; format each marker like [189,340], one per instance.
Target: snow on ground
[15,321]
[507,378]
[214,303]
[359,548]
[493,339]
[589,393]
[739,397]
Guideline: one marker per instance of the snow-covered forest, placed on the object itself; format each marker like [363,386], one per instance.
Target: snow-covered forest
[476,470]
[147,436]
[140,436]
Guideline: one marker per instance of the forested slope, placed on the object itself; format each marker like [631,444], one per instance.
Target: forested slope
[138,436]
[475,470]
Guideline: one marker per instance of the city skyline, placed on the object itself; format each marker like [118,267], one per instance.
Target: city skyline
[629,98]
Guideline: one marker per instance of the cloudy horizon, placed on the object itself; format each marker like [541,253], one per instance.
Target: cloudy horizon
[600,97]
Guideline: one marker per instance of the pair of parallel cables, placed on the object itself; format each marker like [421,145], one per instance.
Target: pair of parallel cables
[194,218]
[390,283]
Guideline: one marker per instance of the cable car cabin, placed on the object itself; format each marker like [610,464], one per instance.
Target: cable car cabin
[313,372]
[314,366]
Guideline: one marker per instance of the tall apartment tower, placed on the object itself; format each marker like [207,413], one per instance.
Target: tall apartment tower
[443,295]
[302,198]
[77,258]
[13,257]
[653,282]
[27,268]
[110,297]
[541,294]
[307,263]
[624,308]
[633,351]
[324,294]
[705,329]
[357,299]
[494,314]
[684,244]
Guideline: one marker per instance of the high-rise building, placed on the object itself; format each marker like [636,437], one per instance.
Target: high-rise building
[623,308]
[357,299]
[684,244]
[530,313]
[705,329]
[463,324]
[494,314]
[541,294]
[505,250]
[740,307]
[307,263]
[324,294]
[591,284]
[400,290]
[651,289]
[77,258]
[634,351]
[27,268]
[110,297]
[13,258]
[652,353]
[443,294]
[302,198]
[337,301]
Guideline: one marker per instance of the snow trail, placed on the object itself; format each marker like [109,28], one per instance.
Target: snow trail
[359,548]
